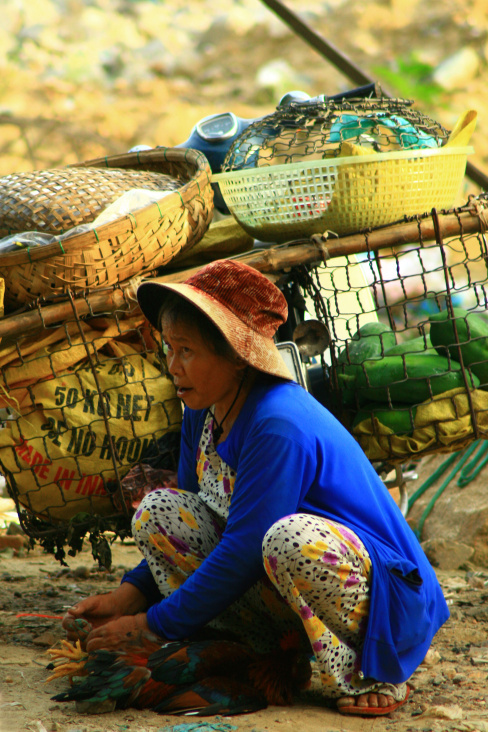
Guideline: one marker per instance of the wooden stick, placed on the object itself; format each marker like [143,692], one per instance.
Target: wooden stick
[100,301]
[281,258]
[467,222]
[274,259]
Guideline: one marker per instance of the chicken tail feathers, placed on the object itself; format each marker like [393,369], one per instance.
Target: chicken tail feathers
[109,680]
[213,695]
[187,662]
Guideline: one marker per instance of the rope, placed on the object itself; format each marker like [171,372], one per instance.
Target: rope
[432,479]
[467,472]
[470,471]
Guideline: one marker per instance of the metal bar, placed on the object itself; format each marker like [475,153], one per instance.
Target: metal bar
[103,404]
[468,386]
[477,176]
[324,47]
[344,64]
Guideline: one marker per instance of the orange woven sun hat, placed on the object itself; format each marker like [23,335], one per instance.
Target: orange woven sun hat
[244,305]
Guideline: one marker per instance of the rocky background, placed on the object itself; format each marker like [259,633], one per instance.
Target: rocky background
[84,78]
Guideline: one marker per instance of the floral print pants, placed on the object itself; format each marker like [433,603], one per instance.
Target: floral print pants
[316,584]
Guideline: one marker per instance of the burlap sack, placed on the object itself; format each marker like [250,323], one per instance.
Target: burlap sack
[57,451]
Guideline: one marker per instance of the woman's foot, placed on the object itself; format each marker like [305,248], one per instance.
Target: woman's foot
[371,704]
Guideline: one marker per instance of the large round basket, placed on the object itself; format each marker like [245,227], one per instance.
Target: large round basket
[134,244]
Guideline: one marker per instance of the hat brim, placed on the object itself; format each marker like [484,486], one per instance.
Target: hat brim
[255,349]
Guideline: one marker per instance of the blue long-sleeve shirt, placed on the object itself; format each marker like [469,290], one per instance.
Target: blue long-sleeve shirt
[292,456]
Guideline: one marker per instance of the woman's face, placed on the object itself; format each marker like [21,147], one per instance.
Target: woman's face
[201,376]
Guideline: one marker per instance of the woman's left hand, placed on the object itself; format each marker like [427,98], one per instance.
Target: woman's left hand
[121,634]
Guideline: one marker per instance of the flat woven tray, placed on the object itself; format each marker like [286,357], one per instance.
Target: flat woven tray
[135,244]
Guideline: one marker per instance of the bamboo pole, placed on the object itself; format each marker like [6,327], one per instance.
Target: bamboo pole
[320,248]
[100,301]
[468,220]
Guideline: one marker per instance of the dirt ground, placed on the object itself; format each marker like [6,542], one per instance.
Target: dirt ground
[449,690]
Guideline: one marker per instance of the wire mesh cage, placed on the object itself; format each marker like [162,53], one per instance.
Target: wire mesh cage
[328,129]
[343,166]
[406,311]
[87,411]
[90,422]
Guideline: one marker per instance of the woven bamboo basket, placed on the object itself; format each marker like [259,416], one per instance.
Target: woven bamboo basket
[54,201]
[134,244]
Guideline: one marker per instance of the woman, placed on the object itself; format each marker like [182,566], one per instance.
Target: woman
[279,522]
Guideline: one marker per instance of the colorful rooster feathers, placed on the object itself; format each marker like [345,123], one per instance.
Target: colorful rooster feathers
[200,677]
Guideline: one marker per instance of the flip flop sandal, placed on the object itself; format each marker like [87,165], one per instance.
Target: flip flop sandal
[373,711]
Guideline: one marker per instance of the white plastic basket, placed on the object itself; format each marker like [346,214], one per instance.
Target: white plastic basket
[344,195]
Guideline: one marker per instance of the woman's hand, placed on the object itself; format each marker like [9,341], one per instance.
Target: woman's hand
[121,634]
[98,610]
[88,614]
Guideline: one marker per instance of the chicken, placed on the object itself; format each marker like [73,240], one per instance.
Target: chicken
[205,677]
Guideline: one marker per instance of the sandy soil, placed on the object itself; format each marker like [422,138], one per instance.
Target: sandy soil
[449,692]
